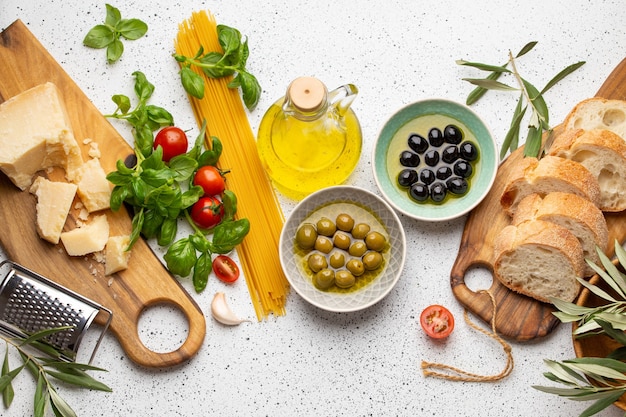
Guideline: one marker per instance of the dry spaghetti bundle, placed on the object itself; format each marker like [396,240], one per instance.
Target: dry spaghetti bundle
[226,118]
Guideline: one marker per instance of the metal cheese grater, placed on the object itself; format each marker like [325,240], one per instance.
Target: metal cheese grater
[30,302]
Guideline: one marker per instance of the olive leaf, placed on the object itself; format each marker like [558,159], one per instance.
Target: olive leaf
[531,99]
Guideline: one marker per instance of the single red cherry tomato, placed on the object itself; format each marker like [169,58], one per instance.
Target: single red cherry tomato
[207,212]
[173,140]
[437,321]
[225,269]
[210,179]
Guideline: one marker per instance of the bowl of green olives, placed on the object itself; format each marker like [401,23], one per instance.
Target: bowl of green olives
[342,248]
[435,160]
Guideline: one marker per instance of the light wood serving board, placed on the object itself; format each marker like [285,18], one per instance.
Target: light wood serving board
[518,317]
[25,64]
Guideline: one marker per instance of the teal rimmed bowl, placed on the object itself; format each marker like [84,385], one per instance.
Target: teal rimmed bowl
[418,115]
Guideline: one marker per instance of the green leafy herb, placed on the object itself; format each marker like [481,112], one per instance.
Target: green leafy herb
[530,97]
[608,374]
[161,193]
[108,35]
[217,65]
[46,371]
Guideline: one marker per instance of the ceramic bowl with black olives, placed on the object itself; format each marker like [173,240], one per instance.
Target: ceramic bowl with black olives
[343,248]
[435,160]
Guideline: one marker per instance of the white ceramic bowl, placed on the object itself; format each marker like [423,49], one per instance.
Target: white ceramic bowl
[330,201]
[484,171]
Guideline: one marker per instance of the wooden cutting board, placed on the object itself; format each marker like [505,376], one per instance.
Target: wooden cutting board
[518,317]
[25,64]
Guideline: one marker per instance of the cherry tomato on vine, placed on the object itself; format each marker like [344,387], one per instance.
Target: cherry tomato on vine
[173,140]
[210,179]
[225,269]
[437,321]
[207,212]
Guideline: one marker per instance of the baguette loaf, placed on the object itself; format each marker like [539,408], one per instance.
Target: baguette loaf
[598,113]
[573,212]
[539,259]
[550,173]
[603,153]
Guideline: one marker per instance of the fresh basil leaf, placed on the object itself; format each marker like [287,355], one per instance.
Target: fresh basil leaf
[168,230]
[199,242]
[229,39]
[229,234]
[211,156]
[159,116]
[144,140]
[190,196]
[182,167]
[131,29]
[137,224]
[250,89]
[115,50]
[122,102]
[155,160]
[98,37]
[180,257]
[152,221]
[212,66]
[143,88]
[201,271]
[192,82]
[156,177]
[229,202]
[113,15]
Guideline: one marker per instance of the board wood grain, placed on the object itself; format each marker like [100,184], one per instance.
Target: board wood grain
[25,64]
[518,317]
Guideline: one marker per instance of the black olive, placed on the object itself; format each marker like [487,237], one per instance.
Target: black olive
[438,192]
[450,154]
[427,176]
[431,158]
[452,134]
[435,137]
[417,143]
[406,177]
[463,169]
[443,172]
[419,192]
[468,151]
[457,185]
[130,161]
[409,159]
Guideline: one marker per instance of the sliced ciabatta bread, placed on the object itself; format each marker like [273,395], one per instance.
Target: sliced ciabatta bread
[603,153]
[598,113]
[539,259]
[577,214]
[548,174]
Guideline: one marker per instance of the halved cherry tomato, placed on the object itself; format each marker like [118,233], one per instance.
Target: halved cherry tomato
[210,179]
[173,140]
[437,321]
[225,269]
[207,212]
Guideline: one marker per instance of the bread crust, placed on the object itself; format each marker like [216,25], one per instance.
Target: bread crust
[598,113]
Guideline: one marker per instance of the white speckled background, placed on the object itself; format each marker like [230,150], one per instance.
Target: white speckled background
[310,362]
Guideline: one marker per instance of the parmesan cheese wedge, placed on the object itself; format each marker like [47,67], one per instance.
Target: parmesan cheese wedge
[54,200]
[89,238]
[35,134]
[94,189]
[116,255]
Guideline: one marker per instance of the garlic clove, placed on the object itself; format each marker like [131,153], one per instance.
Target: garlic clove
[222,312]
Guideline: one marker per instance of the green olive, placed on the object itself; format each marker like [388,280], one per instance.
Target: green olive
[326,227]
[323,244]
[344,222]
[344,279]
[372,260]
[337,259]
[357,248]
[360,230]
[355,266]
[342,241]
[375,241]
[306,235]
[317,262]
[324,279]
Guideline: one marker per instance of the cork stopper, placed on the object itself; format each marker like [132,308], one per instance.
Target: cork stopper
[307,94]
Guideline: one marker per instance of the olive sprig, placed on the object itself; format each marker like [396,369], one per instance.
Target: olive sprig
[45,370]
[608,373]
[530,97]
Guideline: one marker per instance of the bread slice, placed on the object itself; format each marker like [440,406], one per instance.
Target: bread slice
[598,113]
[539,259]
[603,153]
[576,214]
[549,174]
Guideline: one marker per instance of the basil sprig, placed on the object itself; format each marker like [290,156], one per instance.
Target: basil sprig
[218,65]
[108,35]
[530,98]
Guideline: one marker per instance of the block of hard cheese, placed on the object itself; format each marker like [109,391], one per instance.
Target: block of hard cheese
[94,189]
[116,255]
[35,134]
[89,238]
[54,200]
